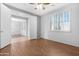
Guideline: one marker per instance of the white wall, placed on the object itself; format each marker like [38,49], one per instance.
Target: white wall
[5,26]
[71,37]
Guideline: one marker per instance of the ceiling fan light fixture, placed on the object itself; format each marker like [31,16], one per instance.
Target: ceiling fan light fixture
[40,6]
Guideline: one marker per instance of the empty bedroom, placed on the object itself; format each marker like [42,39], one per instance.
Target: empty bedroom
[39,29]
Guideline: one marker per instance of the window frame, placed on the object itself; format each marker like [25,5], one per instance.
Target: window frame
[60,14]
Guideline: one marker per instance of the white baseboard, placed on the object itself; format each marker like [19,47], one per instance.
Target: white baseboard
[68,43]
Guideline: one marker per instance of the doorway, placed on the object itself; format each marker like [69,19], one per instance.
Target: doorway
[19,28]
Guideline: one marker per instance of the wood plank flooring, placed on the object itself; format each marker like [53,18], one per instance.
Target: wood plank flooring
[38,47]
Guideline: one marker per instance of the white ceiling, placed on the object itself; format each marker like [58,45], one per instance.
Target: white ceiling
[30,8]
[49,8]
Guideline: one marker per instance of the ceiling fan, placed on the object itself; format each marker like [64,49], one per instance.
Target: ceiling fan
[40,5]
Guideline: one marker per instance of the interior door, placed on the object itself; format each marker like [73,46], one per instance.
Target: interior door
[5,26]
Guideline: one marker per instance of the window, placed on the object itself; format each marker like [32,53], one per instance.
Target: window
[60,21]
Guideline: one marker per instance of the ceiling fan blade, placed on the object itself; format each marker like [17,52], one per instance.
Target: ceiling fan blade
[46,3]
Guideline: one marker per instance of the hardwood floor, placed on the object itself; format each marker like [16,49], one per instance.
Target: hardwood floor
[39,47]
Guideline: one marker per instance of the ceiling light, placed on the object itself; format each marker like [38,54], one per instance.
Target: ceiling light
[40,6]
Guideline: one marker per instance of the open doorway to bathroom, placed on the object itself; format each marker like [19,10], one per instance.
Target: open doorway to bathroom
[19,28]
